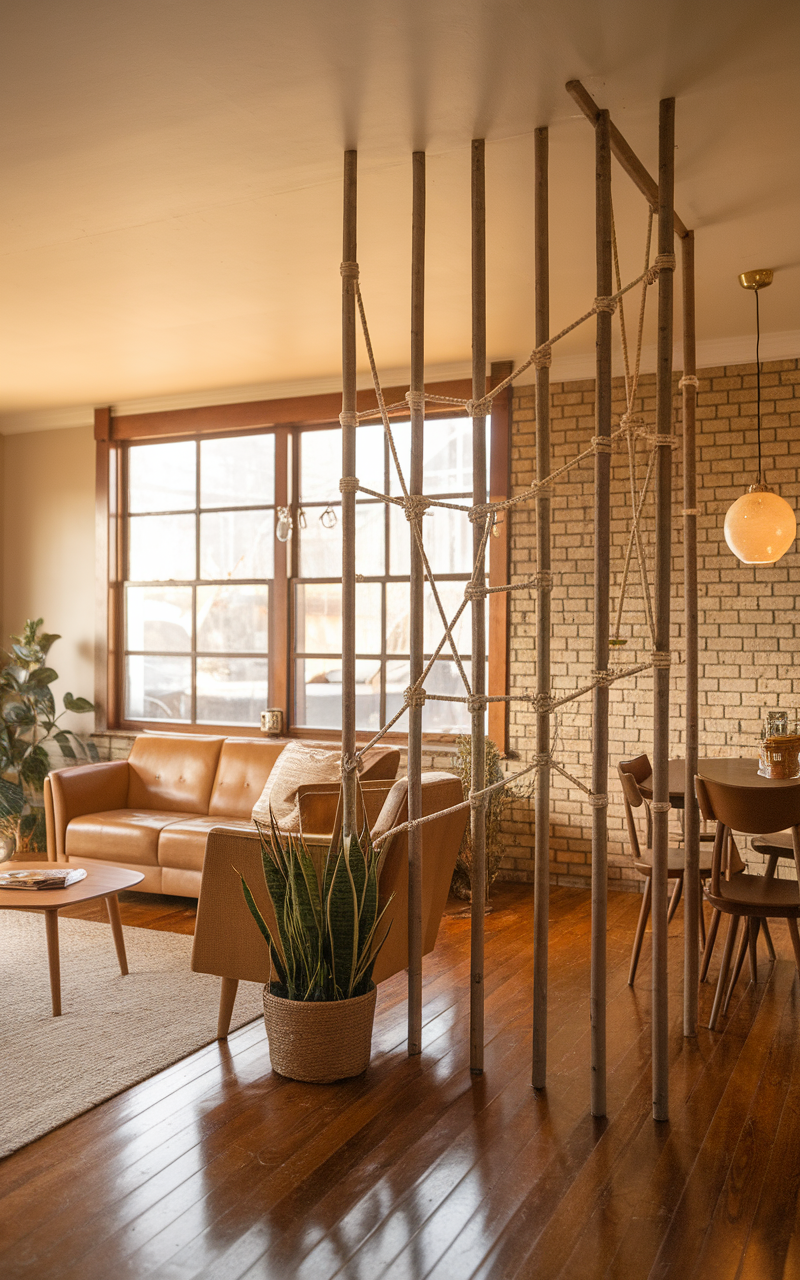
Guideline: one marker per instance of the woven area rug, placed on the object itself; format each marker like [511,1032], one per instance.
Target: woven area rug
[113,1031]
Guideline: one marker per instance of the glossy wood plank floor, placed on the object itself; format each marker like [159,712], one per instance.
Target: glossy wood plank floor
[217,1168]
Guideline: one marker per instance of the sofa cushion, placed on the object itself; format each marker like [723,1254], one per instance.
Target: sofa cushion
[182,845]
[172,771]
[242,772]
[119,835]
[297,765]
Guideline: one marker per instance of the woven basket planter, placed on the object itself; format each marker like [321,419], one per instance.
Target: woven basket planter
[319,1041]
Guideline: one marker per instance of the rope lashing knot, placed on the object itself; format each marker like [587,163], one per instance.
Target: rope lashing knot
[597,800]
[414,697]
[665,262]
[689,380]
[477,408]
[543,760]
[475,592]
[476,702]
[352,764]
[542,702]
[601,444]
[660,806]
[543,580]
[670,441]
[479,512]
[602,678]
[631,421]
[476,800]
[349,270]
[415,400]
[415,506]
[543,356]
[348,418]
[349,484]
[661,660]
[607,305]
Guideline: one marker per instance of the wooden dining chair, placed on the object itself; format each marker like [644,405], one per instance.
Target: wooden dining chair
[631,773]
[753,898]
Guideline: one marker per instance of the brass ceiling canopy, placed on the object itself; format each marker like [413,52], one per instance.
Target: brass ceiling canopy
[756,279]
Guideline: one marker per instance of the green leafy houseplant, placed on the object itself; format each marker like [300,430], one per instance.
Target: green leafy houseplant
[27,721]
[496,805]
[327,924]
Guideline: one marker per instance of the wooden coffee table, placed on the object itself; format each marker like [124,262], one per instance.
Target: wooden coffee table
[100,882]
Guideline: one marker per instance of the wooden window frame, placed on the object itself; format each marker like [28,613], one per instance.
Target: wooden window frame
[284,417]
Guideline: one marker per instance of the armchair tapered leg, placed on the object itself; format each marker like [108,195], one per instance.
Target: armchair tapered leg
[708,949]
[227,998]
[730,942]
[641,924]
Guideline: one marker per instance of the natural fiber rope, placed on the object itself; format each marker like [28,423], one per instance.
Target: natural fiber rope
[689,380]
[415,505]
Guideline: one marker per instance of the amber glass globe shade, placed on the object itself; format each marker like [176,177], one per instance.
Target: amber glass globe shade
[760,527]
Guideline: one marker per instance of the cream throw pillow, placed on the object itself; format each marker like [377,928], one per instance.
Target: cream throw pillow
[296,766]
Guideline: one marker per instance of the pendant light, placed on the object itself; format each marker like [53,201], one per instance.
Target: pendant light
[760,526]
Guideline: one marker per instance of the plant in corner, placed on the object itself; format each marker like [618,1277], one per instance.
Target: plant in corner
[496,804]
[27,721]
[320,1006]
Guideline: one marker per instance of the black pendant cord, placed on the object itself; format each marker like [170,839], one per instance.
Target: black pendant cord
[758,388]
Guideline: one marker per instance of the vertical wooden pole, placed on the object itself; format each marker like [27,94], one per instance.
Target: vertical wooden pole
[478,812]
[602,542]
[417,404]
[541,907]
[663,521]
[499,467]
[692,897]
[349,420]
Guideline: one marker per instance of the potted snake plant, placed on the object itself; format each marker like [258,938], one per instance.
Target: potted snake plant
[320,1004]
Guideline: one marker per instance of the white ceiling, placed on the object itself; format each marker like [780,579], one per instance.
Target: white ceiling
[170,227]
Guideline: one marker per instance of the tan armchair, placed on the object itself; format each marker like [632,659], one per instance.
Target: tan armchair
[227,941]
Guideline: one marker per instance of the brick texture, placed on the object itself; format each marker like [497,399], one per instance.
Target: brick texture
[749,630]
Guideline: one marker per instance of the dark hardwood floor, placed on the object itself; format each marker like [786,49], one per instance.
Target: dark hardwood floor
[218,1168]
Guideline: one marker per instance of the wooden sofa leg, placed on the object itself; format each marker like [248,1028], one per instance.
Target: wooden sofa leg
[227,999]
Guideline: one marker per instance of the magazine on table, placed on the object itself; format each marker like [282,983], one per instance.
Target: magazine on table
[60,878]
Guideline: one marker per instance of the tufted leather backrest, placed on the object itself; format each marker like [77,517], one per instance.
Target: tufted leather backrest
[242,772]
[172,771]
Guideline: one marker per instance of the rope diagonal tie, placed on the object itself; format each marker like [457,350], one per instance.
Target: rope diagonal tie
[631,428]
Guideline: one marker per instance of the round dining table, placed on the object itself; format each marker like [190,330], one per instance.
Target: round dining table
[737,771]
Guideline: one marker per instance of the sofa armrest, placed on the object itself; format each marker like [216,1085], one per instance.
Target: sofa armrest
[84,788]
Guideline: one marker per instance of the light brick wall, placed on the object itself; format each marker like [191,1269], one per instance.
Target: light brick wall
[749,630]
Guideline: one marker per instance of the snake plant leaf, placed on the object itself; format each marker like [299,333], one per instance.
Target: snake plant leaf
[342,913]
[275,956]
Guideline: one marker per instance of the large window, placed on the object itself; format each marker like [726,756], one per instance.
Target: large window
[200,533]
[210,618]
[382,566]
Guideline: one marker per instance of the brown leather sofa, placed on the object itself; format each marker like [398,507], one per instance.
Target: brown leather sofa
[227,941]
[153,812]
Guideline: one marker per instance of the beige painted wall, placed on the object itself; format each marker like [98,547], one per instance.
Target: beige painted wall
[48,549]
